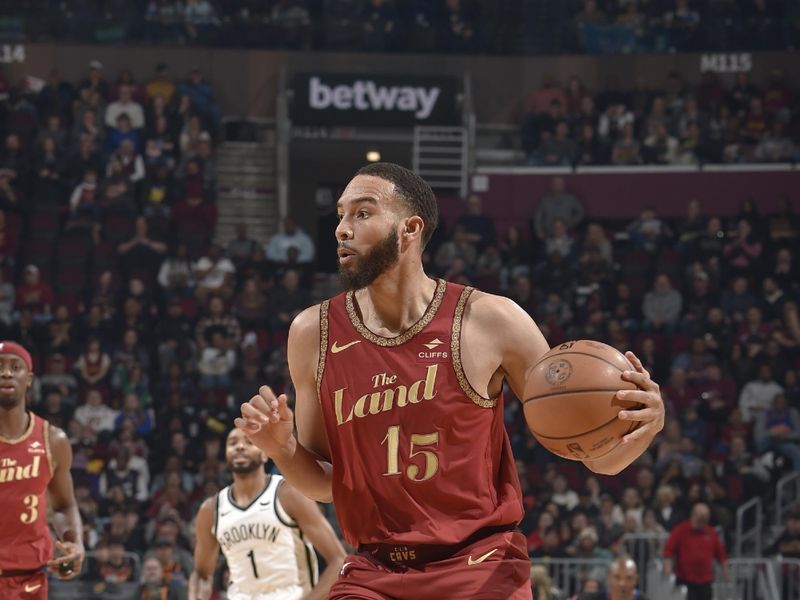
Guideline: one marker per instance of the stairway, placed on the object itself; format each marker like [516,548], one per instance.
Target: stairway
[246,188]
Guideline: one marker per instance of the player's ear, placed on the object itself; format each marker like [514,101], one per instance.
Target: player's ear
[414,227]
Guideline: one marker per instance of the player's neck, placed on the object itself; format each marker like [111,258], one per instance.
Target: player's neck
[14,421]
[246,486]
[396,300]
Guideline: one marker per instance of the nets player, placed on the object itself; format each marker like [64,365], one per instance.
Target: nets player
[265,529]
[35,462]
[400,411]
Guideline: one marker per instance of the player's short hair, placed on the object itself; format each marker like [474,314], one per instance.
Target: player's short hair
[411,189]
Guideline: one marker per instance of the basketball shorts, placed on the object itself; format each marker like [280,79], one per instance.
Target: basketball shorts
[294,592]
[495,567]
[31,586]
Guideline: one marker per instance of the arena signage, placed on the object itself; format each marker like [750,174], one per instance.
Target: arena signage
[374,100]
[726,63]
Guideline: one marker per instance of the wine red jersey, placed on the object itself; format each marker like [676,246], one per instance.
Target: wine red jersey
[25,472]
[419,457]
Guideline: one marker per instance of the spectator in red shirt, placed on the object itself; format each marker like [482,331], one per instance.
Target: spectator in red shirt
[35,294]
[692,547]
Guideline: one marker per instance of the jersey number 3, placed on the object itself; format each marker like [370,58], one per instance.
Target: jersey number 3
[31,502]
[413,471]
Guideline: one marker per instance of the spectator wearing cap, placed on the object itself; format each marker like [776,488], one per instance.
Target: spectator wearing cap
[94,79]
[35,295]
[691,550]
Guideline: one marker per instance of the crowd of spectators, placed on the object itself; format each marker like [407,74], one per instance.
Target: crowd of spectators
[485,26]
[709,304]
[147,336]
[568,125]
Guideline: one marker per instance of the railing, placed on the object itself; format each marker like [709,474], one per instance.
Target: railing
[787,494]
[440,155]
[753,510]
[751,579]
[644,549]
[787,573]
[568,574]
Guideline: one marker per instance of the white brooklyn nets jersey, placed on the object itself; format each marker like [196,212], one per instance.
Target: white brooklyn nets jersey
[267,554]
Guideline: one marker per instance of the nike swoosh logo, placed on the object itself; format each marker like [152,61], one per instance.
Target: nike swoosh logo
[336,349]
[32,588]
[480,559]
[267,503]
[222,514]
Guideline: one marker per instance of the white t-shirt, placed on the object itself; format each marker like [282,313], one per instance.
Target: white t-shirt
[216,276]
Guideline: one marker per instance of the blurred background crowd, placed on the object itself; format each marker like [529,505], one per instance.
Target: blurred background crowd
[147,335]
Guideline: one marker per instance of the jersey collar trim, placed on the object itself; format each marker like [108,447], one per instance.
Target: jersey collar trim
[24,436]
[253,501]
[409,333]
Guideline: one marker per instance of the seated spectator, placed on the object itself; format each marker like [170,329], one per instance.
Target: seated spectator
[626,150]
[154,585]
[379,26]
[288,300]
[157,197]
[160,84]
[559,241]
[35,295]
[778,428]
[83,207]
[682,23]
[201,95]
[590,14]
[141,252]
[660,147]
[757,396]
[120,133]
[57,379]
[558,205]
[130,161]
[195,220]
[95,415]
[590,150]
[459,246]
[117,191]
[217,318]
[201,21]
[241,247]
[251,304]
[92,365]
[648,232]
[458,29]
[737,300]
[217,361]
[110,563]
[214,275]
[121,471]
[176,274]
[125,105]
[788,543]
[134,411]
[292,24]
[479,229]
[586,546]
[292,236]
[743,251]
[557,149]
[662,305]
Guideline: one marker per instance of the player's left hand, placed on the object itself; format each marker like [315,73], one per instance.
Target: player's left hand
[651,415]
[69,564]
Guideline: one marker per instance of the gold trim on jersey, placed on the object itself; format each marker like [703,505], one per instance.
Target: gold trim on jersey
[455,348]
[409,333]
[24,436]
[323,344]
[47,447]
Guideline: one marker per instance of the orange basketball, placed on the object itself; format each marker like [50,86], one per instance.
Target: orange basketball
[570,400]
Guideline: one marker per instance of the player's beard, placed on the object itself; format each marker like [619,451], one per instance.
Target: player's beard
[368,267]
[250,467]
[9,401]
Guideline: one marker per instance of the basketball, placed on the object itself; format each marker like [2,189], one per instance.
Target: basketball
[570,400]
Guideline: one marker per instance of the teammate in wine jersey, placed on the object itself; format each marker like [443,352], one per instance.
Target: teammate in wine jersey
[267,531]
[399,409]
[35,462]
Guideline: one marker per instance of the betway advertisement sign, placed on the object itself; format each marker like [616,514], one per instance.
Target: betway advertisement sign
[374,100]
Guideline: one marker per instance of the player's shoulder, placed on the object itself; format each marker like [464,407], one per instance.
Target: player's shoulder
[491,309]
[208,507]
[306,323]
[58,437]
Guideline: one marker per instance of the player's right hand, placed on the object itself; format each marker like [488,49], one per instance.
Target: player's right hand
[267,420]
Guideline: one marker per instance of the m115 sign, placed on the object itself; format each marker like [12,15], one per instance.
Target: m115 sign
[374,100]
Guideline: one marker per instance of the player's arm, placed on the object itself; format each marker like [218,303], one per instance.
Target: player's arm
[319,532]
[521,345]
[66,517]
[206,552]
[269,423]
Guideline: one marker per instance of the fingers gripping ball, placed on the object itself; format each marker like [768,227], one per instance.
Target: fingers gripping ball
[570,400]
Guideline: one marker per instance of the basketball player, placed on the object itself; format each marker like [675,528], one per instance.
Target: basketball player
[400,410]
[266,529]
[35,462]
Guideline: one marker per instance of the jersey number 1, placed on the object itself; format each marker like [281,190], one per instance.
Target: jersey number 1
[252,555]
[392,441]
